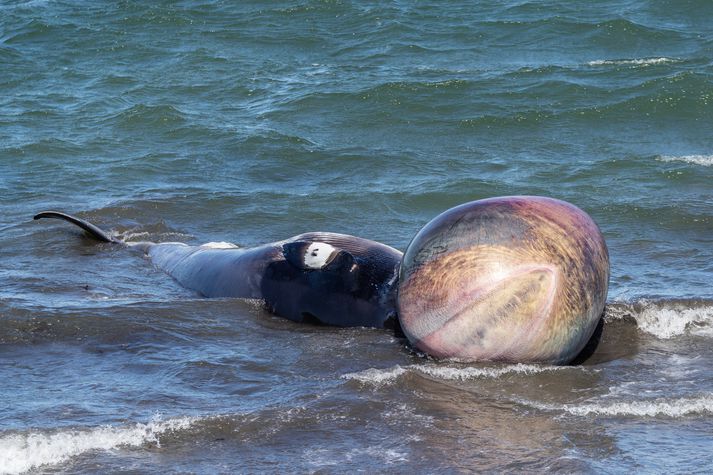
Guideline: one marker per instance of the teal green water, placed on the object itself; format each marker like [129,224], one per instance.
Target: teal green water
[254,121]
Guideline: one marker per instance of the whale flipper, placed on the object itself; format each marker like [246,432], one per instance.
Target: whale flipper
[91,229]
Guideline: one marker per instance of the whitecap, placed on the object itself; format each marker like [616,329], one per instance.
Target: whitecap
[467,373]
[376,376]
[382,376]
[675,408]
[672,320]
[666,319]
[25,451]
[703,160]
[632,62]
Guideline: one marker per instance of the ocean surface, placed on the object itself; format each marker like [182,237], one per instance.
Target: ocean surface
[250,122]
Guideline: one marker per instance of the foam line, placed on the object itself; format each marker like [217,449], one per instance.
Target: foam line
[25,451]
[632,62]
[703,160]
[666,320]
[674,408]
[381,376]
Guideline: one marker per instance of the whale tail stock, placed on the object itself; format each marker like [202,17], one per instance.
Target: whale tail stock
[91,229]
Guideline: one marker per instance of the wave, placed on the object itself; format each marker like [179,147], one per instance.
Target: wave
[703,160]
[326,458]
[672,407]
[633,62]
[378,377]
[666,319]
[53,146]
[22,452]
[143,115]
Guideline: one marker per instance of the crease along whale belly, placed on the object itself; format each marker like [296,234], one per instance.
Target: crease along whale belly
[513,278]
[495,319]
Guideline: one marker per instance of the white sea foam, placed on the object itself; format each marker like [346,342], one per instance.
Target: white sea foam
[671,320]
[666,319]
[376,376]
[703,160]
[382,376]
[22,452]
[678,407]
[463,374]
[632,62]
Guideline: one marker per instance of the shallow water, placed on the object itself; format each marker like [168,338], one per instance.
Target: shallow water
[253,122]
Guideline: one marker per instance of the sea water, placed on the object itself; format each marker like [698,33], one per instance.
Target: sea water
[248,122]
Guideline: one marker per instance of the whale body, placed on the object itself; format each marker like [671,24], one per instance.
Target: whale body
[325,278]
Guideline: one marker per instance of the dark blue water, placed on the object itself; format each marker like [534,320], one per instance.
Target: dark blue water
[250,122]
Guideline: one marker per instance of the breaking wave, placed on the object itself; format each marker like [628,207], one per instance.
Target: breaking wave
[382,376]
[667,319]
[703,160]
[674,408]
[632,62]
[25,451]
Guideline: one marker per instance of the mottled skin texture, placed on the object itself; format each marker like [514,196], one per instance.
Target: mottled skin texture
[518,279]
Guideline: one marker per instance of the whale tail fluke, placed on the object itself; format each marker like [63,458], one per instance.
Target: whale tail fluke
[91,229]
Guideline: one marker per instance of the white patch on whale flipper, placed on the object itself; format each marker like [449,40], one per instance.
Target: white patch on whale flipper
[317,254]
